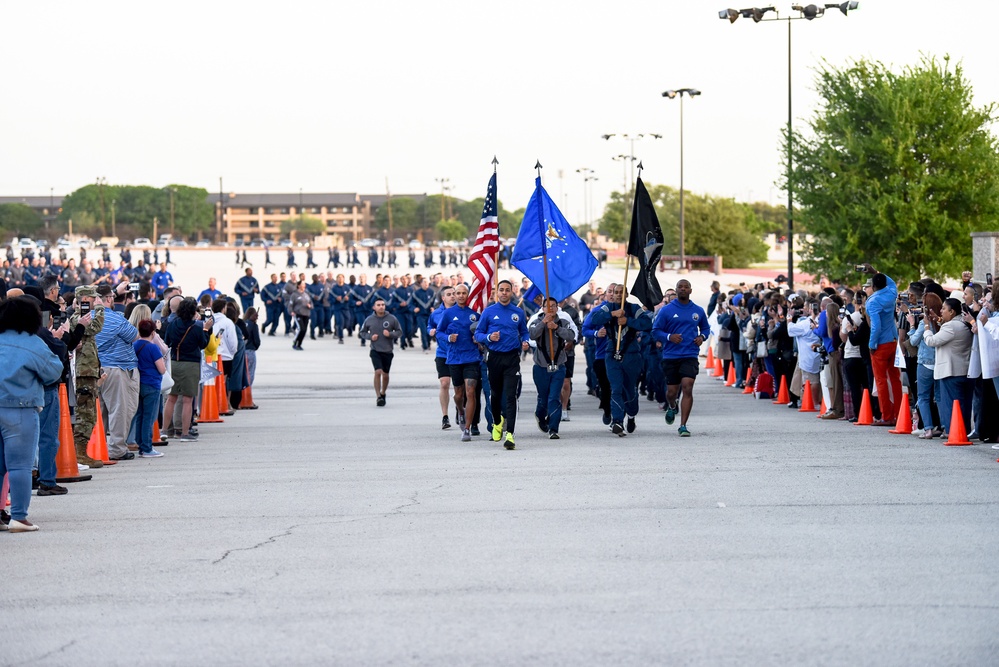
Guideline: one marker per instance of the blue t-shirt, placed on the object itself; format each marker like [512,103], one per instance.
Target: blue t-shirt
[148,354]
[687,320]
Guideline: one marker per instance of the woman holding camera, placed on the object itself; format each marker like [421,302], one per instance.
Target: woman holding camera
[951,338]
[187,336]
[928,388]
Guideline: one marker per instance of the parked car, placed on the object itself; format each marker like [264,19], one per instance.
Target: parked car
[416,245]
[42,243]
[203,243]
[26,244]
[370,243]
[261,243]
[178,243]
[64,243]
[239,243]
[142,242]
[164,239]
[285,243]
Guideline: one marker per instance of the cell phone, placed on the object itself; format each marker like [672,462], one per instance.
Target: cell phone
[84,307]
[133,287]
[988,279]
[859,268]
[47,319]
[815,309]
[206,313]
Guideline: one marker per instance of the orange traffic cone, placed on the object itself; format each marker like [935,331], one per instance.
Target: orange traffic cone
[209,412]
[823,409]
[749,381]
[782,396]
[807,402]
[97,448]
[710,363]
[904,423]
[157,436]
[223,395]
[718,371]
[730,381]
[957,435]
[865,417]
[66,468]
[247,402]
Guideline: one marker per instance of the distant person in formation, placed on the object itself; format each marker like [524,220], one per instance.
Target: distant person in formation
[551,334]
[212,292]
[382,329]
[681,327]
[310,262]
[267,257]
[271,295]
[502,329]
[246,288]
[291,258]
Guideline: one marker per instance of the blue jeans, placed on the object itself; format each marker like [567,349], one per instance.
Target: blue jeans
[549,386]
[623,376]
[929,391]
[955,388]
[145,415]
[48,438]
[18,439]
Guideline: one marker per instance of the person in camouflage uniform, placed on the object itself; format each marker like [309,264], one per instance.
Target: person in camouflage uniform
[88,372]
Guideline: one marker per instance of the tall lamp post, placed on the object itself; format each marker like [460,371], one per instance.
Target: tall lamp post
[672,94]
[807,12]
[587,177]
[631,139]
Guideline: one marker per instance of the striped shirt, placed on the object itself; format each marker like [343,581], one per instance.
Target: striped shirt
[114,342]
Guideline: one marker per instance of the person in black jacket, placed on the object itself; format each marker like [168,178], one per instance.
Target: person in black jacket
[187,335]
[252,333]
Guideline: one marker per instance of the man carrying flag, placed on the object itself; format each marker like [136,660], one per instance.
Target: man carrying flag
[482,261]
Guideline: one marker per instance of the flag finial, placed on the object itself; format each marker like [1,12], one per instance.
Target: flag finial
[640,167]
[495,162]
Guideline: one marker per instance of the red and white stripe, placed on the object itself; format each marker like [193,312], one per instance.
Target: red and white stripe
[482,263]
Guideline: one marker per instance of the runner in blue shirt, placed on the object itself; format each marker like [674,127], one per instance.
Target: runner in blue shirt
[458,324]
[443,373]
[503,330]
[681,326]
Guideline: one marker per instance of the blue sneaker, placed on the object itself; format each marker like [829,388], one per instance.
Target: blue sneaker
[670,414]
[607,419]
[684,433]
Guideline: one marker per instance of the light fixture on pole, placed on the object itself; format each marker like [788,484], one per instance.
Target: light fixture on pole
[587,177]
[807,12]
[631,139]
[673,94]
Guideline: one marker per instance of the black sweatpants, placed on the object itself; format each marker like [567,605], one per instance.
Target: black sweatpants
[504,376]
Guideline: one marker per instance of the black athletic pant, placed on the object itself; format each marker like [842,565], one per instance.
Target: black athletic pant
[600,368]
[504,374]
[303,325]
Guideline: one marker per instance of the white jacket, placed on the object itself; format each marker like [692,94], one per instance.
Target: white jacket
[225,329]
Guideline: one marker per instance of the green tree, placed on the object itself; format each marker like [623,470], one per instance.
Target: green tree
[712,225]
[896,169]
[19,220]
[406,215]
[302,225]
[451,230]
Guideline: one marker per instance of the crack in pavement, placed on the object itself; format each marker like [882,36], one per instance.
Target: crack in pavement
[51,653]
[274,538]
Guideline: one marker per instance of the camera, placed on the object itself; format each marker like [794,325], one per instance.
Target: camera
[916,312]
[843,312]
[859,268]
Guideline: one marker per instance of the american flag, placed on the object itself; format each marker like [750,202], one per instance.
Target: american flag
[482,262]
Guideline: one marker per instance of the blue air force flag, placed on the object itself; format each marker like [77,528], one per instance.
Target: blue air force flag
[547,241]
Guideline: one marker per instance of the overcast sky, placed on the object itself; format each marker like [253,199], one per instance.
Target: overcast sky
[337,96]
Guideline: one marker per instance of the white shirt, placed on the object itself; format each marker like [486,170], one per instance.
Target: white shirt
[226,332]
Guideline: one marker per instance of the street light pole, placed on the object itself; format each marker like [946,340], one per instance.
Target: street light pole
[806,12]
[587,212]
[672,94]
[631,139]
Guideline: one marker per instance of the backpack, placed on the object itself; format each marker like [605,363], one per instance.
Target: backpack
[764,385]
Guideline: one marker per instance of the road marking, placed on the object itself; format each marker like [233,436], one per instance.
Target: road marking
[161,486]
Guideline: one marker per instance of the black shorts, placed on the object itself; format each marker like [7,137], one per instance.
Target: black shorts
[462,372]
[443,371]
[570,363]
[677,369]
[382,361]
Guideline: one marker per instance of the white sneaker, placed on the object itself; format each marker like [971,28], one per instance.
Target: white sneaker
[151,454]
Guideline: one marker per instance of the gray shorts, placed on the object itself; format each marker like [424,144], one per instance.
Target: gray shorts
[186,377]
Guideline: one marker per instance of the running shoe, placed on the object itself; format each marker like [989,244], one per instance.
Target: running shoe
[509,444]
[670,413]
[542,423]
[498,431]
[474,430]
[631,425]
[151,454]
[466,436]
[618,429]
[553,436]
[684,433]
[445,423]
[607,419]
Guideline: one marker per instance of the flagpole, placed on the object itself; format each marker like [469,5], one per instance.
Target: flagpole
[496,260]
[552,367]
[627,265]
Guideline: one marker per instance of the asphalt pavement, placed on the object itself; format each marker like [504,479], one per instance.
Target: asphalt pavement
[321,529]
